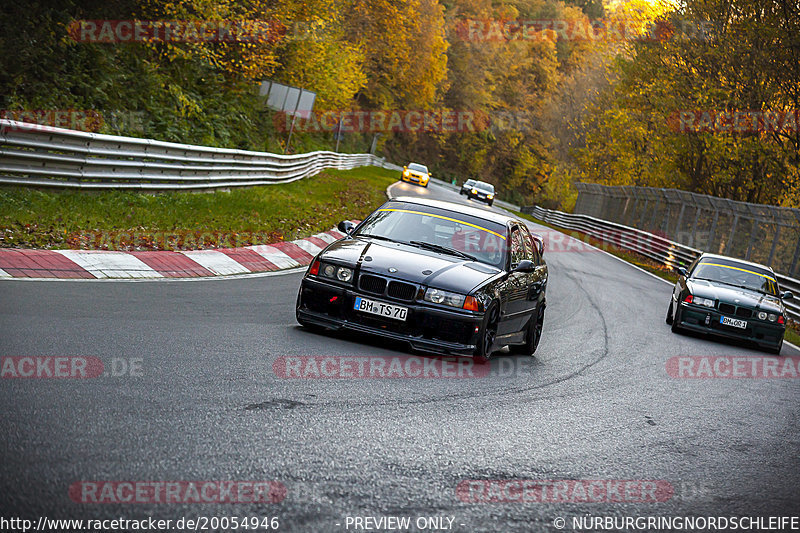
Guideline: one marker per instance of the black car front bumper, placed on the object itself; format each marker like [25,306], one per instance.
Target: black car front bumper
[425,328]
[480,196]
[707,320]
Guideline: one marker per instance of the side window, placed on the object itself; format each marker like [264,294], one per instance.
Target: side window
[518,252]
[530,246]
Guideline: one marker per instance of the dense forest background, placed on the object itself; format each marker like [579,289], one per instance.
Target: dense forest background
[560,108]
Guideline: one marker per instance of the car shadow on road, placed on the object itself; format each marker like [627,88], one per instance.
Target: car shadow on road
[708,337]
[501,359]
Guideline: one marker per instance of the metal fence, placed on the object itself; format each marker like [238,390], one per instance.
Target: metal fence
[33,155]
[761,233]
[655,247]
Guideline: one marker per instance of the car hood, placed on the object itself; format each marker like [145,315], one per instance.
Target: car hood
[735,296]
[413,264]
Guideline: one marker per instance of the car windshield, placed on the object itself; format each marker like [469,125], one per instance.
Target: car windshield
[418,168]
[469,183]
[488,187]
[419,225]
[737,274]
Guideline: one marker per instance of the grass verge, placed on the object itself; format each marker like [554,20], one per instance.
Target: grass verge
[792,330]
[120,220]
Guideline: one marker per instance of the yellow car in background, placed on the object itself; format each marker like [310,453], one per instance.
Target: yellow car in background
[416,173]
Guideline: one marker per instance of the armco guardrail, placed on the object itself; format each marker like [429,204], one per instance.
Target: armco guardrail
[34,155]
[761,233]
[655,247]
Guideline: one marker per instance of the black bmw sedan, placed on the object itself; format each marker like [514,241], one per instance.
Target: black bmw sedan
[731,298]
[443,277]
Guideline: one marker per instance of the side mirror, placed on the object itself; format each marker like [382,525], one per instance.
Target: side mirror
[682,271]
[526,265]
[345,226]
[787,295]
[539,244]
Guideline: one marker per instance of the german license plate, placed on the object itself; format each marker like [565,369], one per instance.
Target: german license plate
[735,322]
[372,307]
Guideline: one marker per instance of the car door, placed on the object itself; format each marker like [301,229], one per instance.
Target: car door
[537,280]
[515,288]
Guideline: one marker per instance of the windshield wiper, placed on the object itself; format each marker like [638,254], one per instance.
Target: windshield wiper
[445,249]
[379,237]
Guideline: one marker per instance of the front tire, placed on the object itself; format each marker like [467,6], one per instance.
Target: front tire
[490,203]
[487,335]
[676,320]
[776,350]
[532,338]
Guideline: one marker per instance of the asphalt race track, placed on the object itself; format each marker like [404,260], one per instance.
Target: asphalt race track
[196,397]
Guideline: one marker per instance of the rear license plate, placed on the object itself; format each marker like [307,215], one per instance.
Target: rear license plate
[372,307]
[736,323]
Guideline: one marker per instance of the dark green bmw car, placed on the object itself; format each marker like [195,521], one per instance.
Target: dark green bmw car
[731,298]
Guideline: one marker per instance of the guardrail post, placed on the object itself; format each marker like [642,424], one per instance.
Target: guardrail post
[795,259]
[694,226]
[680,220]
[644,212]
[655,212]
[712,230]
[753,230]
[629,219]
[774,245]
[732,234]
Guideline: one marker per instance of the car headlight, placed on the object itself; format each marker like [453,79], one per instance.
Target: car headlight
[474,191]
[772,317]
[706,302]
[344,274]
[439,296]
[406,173]
[490,196]
[762,315]
[336,272]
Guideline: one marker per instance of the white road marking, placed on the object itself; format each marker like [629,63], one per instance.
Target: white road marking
[326,237]
[110,264]
[309,247]
[274,256]
[4,274]
[216,262]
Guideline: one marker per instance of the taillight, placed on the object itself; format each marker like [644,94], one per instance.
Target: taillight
[688,299]
[470,304]
[314,270]
[781,319]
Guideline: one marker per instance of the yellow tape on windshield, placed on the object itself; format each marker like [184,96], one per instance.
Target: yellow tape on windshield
[444,218]
[741,269]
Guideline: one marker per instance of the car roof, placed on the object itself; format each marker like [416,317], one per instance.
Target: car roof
[459,208]
[742,261]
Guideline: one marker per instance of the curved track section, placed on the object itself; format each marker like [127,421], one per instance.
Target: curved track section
[205,403]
